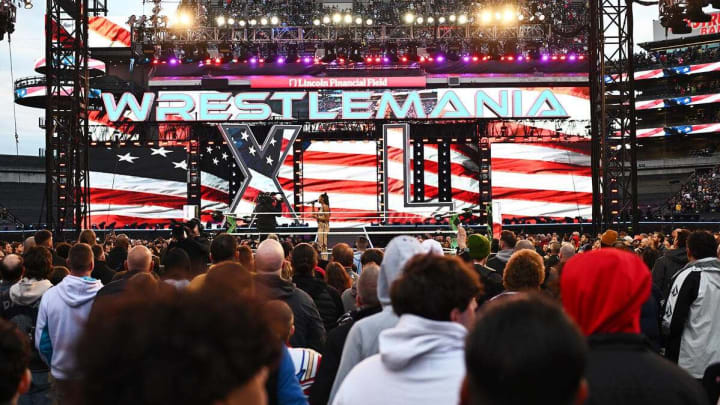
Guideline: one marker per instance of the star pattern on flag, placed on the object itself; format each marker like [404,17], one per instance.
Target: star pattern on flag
[269,160]
[127,158]
[180,165]
[160,151]
[252,151]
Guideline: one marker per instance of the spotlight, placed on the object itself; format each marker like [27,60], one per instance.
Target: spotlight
[220,21]
[486,17]
[263,21]
[452,18]
[430,20]
[404,59]
[572,57]
[542,17]
[253,22]
[466,59]
[498,16]
[173,61]
[274,20]
[509,16]
[409,18]
[280,60]
[231,21]
[440,59]
[369,60]
[185,19]
[253,60]
[241,23]
[520,17]
[358,21]
[316,21]
[441,20]
[326,19]
[462,19]
[369,21]
[347,19]
[336,18]
[545,58]
[419,20]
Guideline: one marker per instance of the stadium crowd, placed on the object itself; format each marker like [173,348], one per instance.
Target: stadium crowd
[521,319]
[700,194]
[680,57]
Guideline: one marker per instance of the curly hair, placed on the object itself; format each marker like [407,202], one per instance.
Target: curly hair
[303,259]
[14,359]
[524,271]
[431,286]
[182,349]
[337,277]
[38,263]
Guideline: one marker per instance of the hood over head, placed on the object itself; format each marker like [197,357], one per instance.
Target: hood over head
[433,246]
[678,255]
[28,290]
[397,253]
[604,290]
[414,337]
[77,291]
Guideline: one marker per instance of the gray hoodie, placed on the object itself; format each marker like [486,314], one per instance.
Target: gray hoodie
[362,341]
[28,290]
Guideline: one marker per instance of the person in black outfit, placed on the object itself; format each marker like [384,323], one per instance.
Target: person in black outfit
[309,329]
[304,260]
[670,263]
[622,367]
[44,238]
[507,248]
[223,247]
[188,238]
[117,256]
[367,304]
[139,260]
[101,271]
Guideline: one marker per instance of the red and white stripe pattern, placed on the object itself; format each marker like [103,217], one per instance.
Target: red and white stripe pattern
[689,100]
[542,179]
[108,32]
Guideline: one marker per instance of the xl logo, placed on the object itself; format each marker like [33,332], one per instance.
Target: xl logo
[260,164]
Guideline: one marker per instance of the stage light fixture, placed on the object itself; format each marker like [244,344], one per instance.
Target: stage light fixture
[280,60]
[420,20]
[242,23]
[542,17]
[452,18]
[369,22]
[274,20]
[185,19]
[358,21]
[509,16]
[263,21]
[520,17]
[430,20]
[252,22]
[695,13]
[347,19]
[441,20]
[326,19]
[486,17]
[231,21]
[462,19]
[220,21]
[336,18]
[498,15]
[316,22]
[409,18]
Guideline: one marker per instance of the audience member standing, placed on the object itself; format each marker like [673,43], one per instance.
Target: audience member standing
[504,367]
[139,260]
[101,271]
[25,297]
[367,305]
[11,270]
[14,356]
[117,256]
[304,260]
[478,248]
[309,329]
[223,247]
[362,341]
[692,315]
[421,358]
[61,317]
[44,238]
[507,246]
[622,368]
[670,263]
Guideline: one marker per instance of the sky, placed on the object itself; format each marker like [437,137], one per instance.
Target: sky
[28,45]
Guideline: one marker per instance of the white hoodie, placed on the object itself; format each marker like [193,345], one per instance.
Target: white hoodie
[28,290]
[420,362]
[62,315]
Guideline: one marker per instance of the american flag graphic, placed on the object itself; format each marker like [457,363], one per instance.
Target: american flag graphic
[137,184]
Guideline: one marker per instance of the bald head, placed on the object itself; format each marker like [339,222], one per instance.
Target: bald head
[139,259]
[566,252]
[29,243]
[367,285]
[11,268]
[269,257]
[524,244]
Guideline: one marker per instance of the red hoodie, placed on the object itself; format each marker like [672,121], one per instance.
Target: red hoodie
[604,290]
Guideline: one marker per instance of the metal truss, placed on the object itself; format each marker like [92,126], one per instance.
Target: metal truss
[614,145]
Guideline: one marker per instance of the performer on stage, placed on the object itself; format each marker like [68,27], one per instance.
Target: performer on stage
[323,220]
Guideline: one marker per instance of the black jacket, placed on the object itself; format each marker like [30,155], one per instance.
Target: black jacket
[309,329]
[58,260]
[492,283]
[103,272]
[325,377]
[198,248]
[623,370]
[116,258]
[326,298]
[665,268]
